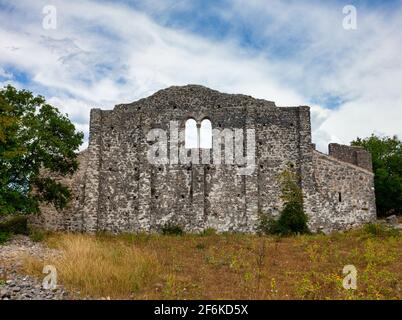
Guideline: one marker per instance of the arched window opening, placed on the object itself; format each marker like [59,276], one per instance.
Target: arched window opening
[206,134]
[190,134]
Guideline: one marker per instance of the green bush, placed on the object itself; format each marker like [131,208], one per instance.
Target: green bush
[15,225]
[292,220]
[380,230]
[208,232]
[172,229]
[36,235]
[4,237]
[266,225]
[200,246]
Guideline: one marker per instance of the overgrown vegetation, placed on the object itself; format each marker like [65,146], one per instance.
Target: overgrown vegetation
[18,225]
[226,266]
[292,219]
[380,230]
[387,166]
[4,237]
[37,235]
[33,136]
[208,232]
[14,225]
[171,228]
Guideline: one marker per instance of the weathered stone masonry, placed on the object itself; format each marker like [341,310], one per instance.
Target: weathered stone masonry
[116,189]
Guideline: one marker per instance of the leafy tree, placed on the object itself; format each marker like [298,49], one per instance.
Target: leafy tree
[34,136]
[387,166]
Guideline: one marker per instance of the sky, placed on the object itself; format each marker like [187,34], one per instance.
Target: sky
[102,53]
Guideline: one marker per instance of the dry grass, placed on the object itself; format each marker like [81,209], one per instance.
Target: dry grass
[227,266]
[100,266]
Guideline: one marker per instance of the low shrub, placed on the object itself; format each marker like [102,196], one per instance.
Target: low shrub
[266,225]
[380,230]
[200,246]
[36,235]
[4,237]
[172,229]
[15,225]
[292,221]
[208,232]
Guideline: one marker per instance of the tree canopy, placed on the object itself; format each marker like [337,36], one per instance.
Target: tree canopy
[34,136]
[387,166]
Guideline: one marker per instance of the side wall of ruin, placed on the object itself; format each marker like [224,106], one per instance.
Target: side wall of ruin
[343,195]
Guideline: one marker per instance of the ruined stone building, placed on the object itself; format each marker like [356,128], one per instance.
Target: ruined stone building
[118,189]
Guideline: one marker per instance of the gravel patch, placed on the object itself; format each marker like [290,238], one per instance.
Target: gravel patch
[14,285]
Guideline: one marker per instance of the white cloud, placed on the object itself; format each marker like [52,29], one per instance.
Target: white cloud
[102,54]
[5,74]
[363,67]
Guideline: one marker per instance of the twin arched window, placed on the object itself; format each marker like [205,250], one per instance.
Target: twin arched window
[198,136]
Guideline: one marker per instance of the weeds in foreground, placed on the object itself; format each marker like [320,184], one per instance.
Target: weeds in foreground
[229,266]
[380,230]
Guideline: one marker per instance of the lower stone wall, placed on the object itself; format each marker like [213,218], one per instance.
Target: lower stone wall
[343,195]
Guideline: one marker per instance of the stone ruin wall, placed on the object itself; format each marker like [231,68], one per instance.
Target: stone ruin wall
[354,155]
[344,194]
[117,190]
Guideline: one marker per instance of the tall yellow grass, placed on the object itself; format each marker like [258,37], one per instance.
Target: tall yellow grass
[226,266]
[101,267]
